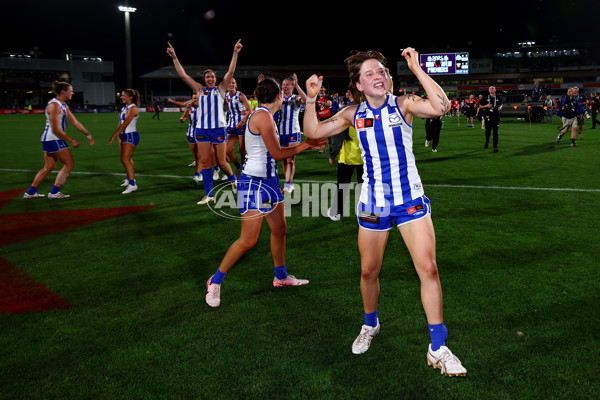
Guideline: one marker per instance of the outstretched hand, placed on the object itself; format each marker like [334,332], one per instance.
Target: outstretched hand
[171,51]
[313,85]
[412,58]
[238,46]
[316,142]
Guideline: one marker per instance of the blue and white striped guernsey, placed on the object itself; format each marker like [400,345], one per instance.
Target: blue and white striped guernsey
[48,133]
[211,113]
[234,110]
[132,127]
[390,173]
[288,116]
[259,162]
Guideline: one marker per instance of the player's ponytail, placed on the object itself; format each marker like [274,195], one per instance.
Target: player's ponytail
[58,87]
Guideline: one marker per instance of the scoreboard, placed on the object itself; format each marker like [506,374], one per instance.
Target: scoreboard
[445,63]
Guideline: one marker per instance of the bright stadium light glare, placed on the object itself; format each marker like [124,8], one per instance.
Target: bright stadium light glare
[127,9]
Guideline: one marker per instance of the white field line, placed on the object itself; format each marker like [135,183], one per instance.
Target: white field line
[314,181]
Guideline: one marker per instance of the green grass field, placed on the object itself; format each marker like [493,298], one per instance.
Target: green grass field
[517,247]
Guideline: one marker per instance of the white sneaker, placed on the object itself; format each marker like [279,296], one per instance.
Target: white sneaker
[335,217]
[234,186]
[427,143]
[193,164]
[434,150]
[205,200]
[197,179]
[447,362]
[216,176]
[363,340]
[288,187]
[130,189]
[58,195]
[32,196]
[224,177]
[125,183]
[290,280]
[213,293]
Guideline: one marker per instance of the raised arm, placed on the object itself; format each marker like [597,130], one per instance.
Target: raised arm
[224,85]
[181,72]
[301,94]
[437,104]
[312,127]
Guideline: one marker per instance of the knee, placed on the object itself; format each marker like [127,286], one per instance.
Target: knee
[428,270]
[369,273]
[246,243]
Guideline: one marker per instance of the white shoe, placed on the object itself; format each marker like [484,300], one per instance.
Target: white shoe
[427,143]
[447,362]
[58,195]
[130,189]
[197,179]
[224,177]
[125,183]
[288,187]
[434,150]
[216,176]
[333,217]
[32,196]
[205,200]
[363,340]
[213,293]
[234,186]
[290,280]
[193,164]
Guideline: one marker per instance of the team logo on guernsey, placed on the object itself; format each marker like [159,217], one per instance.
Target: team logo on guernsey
[395,119]
[363,123]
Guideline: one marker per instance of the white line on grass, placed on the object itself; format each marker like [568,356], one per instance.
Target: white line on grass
[313,181]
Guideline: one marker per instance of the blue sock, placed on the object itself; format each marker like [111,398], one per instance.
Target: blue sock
[281,272]
[197,174]
[218,277]
[371,319]
[231,178]
[216,168]
[132,182]
[208,181]
[55,189]
[32,190]
[438,334]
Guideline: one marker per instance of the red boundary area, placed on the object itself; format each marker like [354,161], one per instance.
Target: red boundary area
[19,292]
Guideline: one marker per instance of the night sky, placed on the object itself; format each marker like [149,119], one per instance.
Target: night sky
[287,33]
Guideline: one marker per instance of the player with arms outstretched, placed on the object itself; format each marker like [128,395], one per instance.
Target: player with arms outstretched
[392,193]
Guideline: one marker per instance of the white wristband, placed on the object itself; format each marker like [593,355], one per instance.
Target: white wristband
[311,99]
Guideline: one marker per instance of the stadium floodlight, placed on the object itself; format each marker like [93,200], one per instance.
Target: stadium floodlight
[126,10]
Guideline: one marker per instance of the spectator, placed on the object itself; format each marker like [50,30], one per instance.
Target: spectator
[492,105]
[549,109]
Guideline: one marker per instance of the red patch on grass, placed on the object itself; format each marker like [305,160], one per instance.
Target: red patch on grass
[19,293]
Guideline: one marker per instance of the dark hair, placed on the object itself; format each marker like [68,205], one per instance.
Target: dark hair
[58,87]
[355,61]
[267,90]
[135,94]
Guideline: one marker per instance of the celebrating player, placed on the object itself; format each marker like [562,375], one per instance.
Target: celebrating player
[210,128]
[238,107]
[392,192]
[259,192]
[128,135]
[289,126]
[54,142]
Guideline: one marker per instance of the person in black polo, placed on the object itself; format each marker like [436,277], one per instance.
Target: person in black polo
[491,105]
